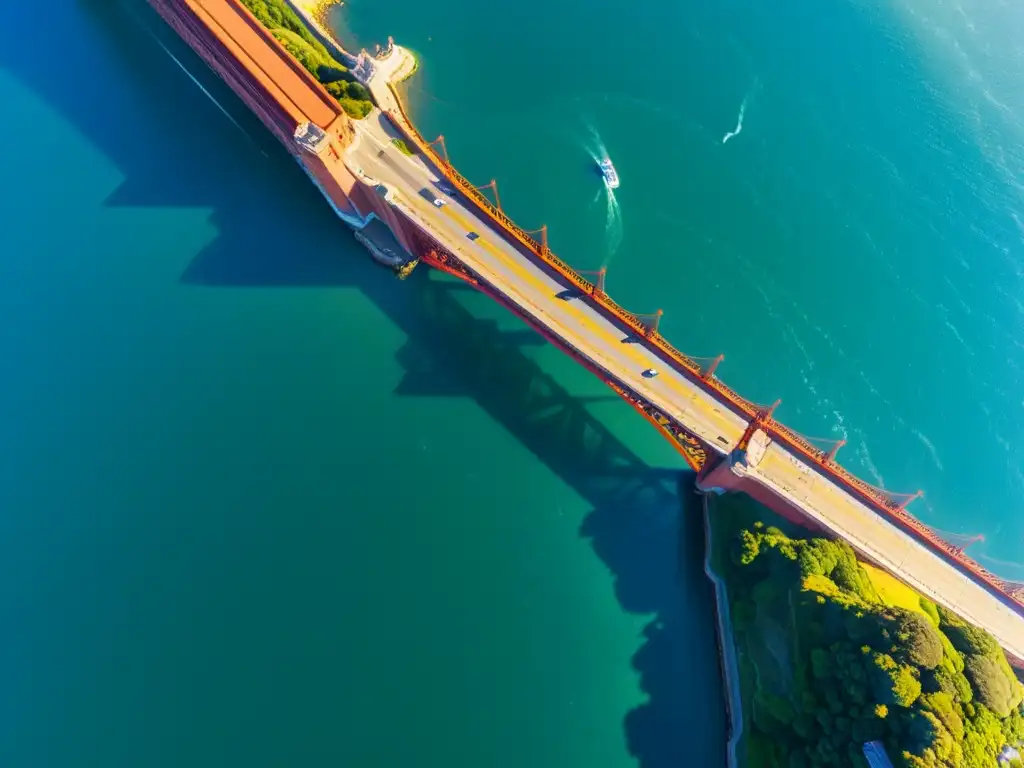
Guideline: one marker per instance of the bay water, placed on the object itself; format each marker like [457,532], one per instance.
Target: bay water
[263,504]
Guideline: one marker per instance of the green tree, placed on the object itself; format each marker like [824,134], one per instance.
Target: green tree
[944,708]
[894,683]
[810,564]
[993,687]
[931,610]
[967,639]
[358,91]
[299,41]
[747,548]
[862,670]
[919,638]
[338,89]
[357,110]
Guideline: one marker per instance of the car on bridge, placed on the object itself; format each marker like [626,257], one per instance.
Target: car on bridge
[650,373]
[428,194]
[472,235]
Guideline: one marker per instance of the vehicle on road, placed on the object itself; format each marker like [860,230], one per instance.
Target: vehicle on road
[439,203]
[472,235]
[650,373]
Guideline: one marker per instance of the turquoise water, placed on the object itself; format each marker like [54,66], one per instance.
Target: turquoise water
[265,505]
[855,250]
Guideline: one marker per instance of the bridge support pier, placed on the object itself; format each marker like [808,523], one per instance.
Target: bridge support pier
[724,474]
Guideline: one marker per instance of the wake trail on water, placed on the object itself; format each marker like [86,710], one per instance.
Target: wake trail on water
[612,226]
[739,118]
[613,230]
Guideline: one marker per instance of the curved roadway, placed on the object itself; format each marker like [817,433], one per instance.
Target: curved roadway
[507,267]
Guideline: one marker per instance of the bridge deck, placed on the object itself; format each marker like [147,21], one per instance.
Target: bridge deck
[537,293]
[923,569]
[504,266]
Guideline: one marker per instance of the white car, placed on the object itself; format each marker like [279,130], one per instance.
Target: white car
[439,203]
[650,373]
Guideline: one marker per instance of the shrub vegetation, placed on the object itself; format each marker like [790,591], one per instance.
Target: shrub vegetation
[829,665]
[289,30]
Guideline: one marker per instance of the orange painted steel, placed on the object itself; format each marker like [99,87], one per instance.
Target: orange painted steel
[267,60]
[876,498]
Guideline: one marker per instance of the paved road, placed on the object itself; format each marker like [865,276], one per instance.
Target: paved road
[505,267]
[393,68]
[527,285]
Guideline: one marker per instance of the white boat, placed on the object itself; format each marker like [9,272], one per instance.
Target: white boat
[611,178]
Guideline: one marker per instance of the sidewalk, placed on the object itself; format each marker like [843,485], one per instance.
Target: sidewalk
[393,68]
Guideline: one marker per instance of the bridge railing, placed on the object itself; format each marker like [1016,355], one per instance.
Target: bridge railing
[748,407]
[891,509]
[778,431]
[547,256]
[888,507]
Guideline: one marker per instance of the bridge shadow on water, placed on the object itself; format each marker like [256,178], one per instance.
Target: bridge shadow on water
[652,549]
[651,542]
[643,522]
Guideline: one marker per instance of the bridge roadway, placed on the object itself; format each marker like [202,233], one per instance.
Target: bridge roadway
[508,269]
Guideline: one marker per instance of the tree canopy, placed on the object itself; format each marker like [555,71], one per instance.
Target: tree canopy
[289,30]
[826,665]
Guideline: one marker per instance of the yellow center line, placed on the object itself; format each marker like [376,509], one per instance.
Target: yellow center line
[582,317]
[712,416]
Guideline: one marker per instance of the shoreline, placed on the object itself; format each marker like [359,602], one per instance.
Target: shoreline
[317,9]
[314,14]
[726,647]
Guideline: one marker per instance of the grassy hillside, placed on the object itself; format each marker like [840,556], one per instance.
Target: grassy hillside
[834,654]
[292,33]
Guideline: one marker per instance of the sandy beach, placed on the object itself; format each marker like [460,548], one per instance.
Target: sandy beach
[317,8]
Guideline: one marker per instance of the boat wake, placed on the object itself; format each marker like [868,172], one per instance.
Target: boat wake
[595,147]
[612,226]
[739,118]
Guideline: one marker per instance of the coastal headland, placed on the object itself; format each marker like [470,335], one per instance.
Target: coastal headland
[823,654]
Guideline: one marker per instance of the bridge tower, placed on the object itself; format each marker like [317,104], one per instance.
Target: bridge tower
[725,473]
